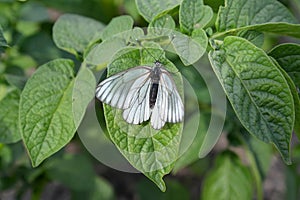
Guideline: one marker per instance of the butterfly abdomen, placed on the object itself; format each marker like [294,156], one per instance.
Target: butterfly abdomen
[153,94]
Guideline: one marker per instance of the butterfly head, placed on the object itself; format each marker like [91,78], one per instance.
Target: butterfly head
[158,64]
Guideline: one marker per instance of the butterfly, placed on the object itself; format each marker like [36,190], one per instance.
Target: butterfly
[143,92]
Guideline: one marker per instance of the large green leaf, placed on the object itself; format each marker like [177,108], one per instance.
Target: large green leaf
[257,91]
[152,152]
[46,111]
[229,179]
[73,33]
[241,13]
[193,14]
[151,9]
[9,117]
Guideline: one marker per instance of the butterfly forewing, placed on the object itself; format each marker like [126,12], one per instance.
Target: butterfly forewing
[119,89]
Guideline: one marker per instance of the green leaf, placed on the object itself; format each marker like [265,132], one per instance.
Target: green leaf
[151,9]
[106,49]
[64,171]
[193,14]
[190,49]
[241,13]
[109,47]
[74,33]
[152,152]
[83,93]
[229,179]
[9,117]
[288,57]
[117,25]
[295,98]
[162,25]
[46,111]
[257,91]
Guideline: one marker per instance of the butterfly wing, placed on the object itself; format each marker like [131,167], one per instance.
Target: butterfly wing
[128,90]
[168,106]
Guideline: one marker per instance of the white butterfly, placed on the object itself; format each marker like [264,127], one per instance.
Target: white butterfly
[142,92]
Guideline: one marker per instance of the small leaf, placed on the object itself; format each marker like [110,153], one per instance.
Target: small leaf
[109,47]
[257,91]
[151,9]
[9,117]
[229,179]
[241,13]
[162,25]
[193,14]
[106,49]
[117,25]
[153,152]
[288,57]
[83,93]
[74,33]
[190,49]
[46,111]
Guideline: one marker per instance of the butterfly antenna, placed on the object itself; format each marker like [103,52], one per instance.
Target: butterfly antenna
[140,43]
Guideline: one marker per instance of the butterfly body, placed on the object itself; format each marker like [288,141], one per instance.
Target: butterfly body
[143,92]
[155,77]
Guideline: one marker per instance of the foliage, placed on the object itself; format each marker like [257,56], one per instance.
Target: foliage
[47,84]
